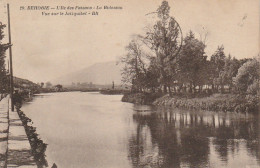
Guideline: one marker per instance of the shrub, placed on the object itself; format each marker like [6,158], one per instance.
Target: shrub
[247,79]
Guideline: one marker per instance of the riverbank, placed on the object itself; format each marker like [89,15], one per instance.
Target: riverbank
[215,102]
[102,91]
[38,147]
[113,92]
[140,98]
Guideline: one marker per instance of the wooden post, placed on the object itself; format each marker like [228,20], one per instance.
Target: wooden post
[11,62]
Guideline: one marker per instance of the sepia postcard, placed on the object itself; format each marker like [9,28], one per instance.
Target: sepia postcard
[129,83]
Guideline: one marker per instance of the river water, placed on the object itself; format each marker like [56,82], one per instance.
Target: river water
[90,130]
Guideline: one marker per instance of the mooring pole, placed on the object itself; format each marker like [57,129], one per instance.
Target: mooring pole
[11,62]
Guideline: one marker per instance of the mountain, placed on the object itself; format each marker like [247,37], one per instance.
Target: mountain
[100,73]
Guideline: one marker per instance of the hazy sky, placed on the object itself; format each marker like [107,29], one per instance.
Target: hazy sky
[46,47]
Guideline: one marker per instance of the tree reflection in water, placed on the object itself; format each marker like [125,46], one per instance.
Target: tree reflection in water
[167,138]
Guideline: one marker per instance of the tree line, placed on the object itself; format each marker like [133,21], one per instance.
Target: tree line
[161,60]
[4,79]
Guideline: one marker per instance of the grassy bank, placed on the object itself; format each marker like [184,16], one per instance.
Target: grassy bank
[215,102]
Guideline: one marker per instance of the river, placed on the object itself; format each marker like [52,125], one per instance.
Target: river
[91,130]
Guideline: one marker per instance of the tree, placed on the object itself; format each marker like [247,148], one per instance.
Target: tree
[59,87]
[247,78]
[229,71]
[218,62]
[4,82]
[42,84]
[152,75]
[48,85]
[162,39]
[134,67]
[192,62]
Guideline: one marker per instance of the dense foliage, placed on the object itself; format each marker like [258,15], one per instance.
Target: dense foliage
[160,61]
[247,78]
[3,74]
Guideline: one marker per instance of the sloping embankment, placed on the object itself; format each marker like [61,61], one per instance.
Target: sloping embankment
[215,102]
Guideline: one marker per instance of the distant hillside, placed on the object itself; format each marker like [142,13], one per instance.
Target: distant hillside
[100,73]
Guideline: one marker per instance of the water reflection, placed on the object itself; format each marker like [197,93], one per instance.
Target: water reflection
[93,130]
[167,137]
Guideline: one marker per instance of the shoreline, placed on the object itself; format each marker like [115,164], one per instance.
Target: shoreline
[215,102]
[226,102]
[102,91]
[38,147]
